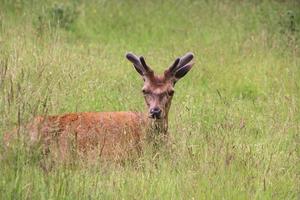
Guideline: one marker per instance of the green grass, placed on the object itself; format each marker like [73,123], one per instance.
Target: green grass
[234,119]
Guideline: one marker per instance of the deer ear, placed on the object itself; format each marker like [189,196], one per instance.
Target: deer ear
[182,71]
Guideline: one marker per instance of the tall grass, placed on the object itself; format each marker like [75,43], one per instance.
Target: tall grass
[235,118]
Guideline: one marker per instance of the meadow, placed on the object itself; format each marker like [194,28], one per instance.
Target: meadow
[234,119]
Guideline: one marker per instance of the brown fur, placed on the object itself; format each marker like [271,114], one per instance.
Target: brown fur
[106,134]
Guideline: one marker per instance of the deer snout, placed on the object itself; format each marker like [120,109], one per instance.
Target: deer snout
[155,113]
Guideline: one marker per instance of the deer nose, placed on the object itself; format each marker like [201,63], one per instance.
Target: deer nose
[155,112]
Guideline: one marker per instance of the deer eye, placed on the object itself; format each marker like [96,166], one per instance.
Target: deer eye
[171,92]
[145,91]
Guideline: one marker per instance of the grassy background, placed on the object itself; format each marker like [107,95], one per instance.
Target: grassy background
[235,117]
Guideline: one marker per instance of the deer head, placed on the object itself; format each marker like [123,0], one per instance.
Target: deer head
[158,90]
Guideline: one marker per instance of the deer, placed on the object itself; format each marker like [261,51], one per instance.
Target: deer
[114,134]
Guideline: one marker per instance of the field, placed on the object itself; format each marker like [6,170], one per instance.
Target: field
[234,119]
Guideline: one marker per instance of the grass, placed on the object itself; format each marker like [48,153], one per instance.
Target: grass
[235,117]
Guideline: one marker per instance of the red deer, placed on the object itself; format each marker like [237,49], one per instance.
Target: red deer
[114,134]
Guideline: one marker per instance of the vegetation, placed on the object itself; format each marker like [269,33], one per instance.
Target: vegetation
[234,118]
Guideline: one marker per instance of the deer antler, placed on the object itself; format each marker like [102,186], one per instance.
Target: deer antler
[139,64]
[180,66]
